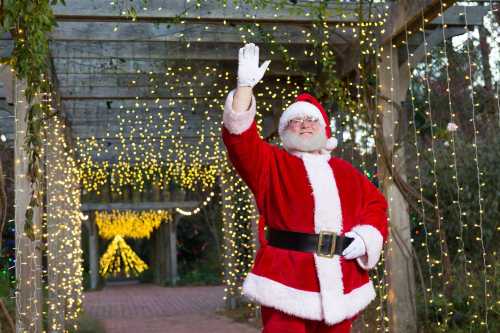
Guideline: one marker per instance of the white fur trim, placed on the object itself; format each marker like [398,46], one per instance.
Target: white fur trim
[330,304]
[331,143]
[350,304]
[305,304]
[299,109]
[238,122]
[327,209]
[302,303]
[373,242]
[327,217]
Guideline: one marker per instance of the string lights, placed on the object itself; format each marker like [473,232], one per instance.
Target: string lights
[62,225]
[479,223]
[173,135]
[422,223]
[116,225]
[197,209]
[237,233]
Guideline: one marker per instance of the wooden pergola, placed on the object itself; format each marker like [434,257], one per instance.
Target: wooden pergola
[96,52]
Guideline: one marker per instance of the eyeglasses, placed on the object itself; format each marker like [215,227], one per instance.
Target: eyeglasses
[306,120]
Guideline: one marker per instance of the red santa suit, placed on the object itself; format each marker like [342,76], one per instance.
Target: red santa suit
[307,193]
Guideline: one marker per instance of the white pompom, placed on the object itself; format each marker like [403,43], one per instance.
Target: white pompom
[331,143]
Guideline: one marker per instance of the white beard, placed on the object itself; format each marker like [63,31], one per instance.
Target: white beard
[293,141]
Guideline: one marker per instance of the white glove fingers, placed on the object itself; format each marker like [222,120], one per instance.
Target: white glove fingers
[348,255]
[356,248]
[349,249]
[249,72]
[253,55]
[265,65]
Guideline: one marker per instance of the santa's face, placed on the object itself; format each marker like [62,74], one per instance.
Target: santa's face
[304,134]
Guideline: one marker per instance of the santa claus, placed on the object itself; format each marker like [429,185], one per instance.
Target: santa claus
[326,223]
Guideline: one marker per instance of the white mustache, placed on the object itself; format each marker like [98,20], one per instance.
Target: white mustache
[295,141]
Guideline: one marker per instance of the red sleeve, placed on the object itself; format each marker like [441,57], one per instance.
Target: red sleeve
[372,225]
[374,211]
[250,156]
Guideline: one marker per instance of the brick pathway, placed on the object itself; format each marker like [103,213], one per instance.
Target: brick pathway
[139,308]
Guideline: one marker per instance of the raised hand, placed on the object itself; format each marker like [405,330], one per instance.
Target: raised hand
[249,72]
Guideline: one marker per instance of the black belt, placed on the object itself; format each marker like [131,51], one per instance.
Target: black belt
[324,244]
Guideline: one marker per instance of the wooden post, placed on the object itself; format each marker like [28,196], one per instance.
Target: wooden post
[161,264]
[93,245]
[177,195]
[172,243]
[160,259]
[398,257]
[28,251]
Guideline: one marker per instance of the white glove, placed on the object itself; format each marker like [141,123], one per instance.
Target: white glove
[249,72]
[357,247]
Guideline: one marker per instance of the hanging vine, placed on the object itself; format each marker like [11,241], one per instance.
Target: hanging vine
[30,22]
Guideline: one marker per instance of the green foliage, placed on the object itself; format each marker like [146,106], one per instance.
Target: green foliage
[466,234]
[204,272]
[324,84]
[198,248]
[464,309]
[463,192]
[146,276]
[29,22]
[7,296]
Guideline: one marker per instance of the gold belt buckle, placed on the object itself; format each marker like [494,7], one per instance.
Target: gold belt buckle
[331,252]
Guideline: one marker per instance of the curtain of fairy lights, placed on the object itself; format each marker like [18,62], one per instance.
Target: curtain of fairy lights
[174,135]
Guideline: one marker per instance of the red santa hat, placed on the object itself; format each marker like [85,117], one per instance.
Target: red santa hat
[306,105]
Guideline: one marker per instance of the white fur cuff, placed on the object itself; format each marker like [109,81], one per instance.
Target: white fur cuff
[238,122]
[373,242]
[301,303]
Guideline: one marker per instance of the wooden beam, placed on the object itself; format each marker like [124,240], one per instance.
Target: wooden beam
[185,33]
[172,92]
[136,66]
[191,83]
[167,50]
[98,108]
[93,118]
[431,10]
[195,32]
[209,11]
[188,106]
[454,16]
[407,15]
[138,206]
[434,38]
[57,102]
